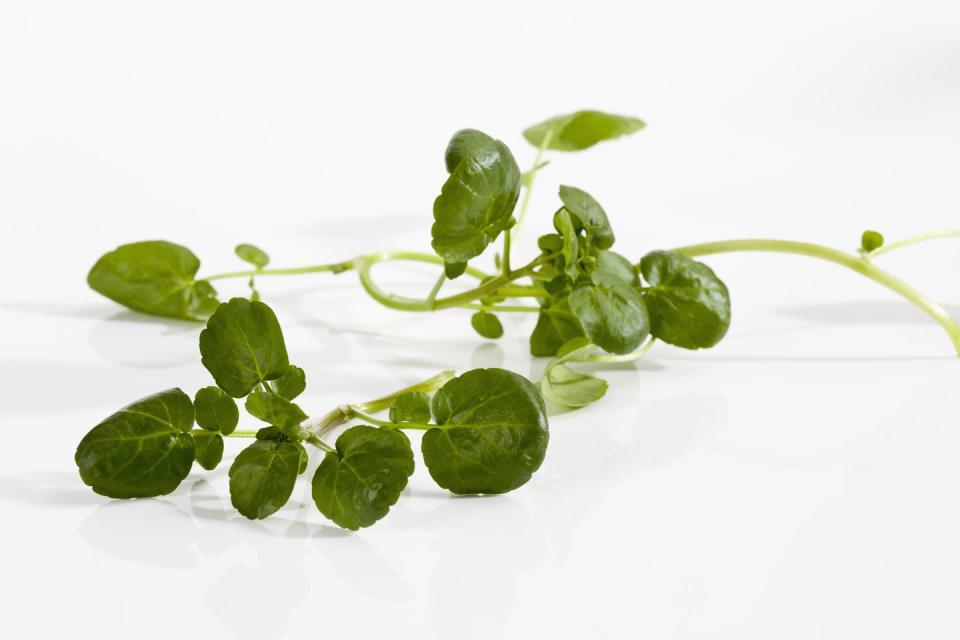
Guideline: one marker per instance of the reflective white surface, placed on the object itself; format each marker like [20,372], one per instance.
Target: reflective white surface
[801,480]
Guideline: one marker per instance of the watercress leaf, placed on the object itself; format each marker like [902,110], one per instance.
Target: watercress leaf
[563,222]
[871,240]
[262,477]
[491,434]
[689,305]
[581,130]
[291,384]
[216,411]
[454,270]
[556,325]
[155,277]
[477,200]
[304,458]
[466,143]
[243,346]
[612,313]
[589,214]
[142,450]
[271,433]
[209,448]
[254,255]
[411,406]
[277,411]
[617,266]
[550,243]
[357,485]
[570,388]
[487,325]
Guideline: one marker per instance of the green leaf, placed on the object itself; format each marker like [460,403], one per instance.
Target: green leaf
[291,384]
[357,485]
[477,200]
[563,222]
[611,312]
[243,346]
[216,411]
[550,243]
[262,477]
[411,406]
[487,325]
[154,277]
[581,130]
[617,266]
[276,411]
[209,448]
[254,255]
[589,214]
[568,387]
[142,450]
[871,240]
[454,270]
[556,325]
[689,305]
[491,434]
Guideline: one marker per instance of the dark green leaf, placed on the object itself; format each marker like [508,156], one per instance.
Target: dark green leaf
[454,270]
[291,384]
[262,477]
[254,255]
[487,325]
[272,433]
[871,240]
[209,448]
[277,411]
[216,411]
[617,266]
[411,406]
[466,143]
[243,346]
[589,214]
[357,485]
[689,305]
[491,434]
[550,243]
[611,312]
[581,130]
[477,200]
[555,326]
[304,458]
[143,450]
[154,277]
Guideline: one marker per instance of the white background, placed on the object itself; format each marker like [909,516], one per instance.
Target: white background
[801,480]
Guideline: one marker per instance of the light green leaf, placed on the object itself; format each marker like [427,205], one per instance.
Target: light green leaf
[589,214]
[477,200]
[487,325]
[243,346]
[570,250]
[254,255]
[581,130]
[143,450]
[357,485]
[209,448]
[491,435]
[154,277]
[556,325]
[216,411]
[871,240]
[689,305]
[291,384]
[262,477]
[568,387]
[411,406]
[276,411]
[612,313]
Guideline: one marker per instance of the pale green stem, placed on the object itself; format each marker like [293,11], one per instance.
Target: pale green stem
[525,203]
[501,308]
[242,433]
[613,358]
[906,242]
[390,425]
[850,261]
[437,287]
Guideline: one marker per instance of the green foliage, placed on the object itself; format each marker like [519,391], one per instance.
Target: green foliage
[568,387]
[254,255]
[581,130]
[262,477]
[487,325]
[411,406]
[291,384]
[243,346]
[276,411]
[491,433]
[154,277]
[209,448]
[556,325]
[611,312]
[871,241]
[358,483]
[216,411]
[590,216]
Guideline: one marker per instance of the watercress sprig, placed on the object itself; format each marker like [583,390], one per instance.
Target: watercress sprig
[484,432]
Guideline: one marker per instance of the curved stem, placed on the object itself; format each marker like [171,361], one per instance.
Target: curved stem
[852,262]
[525,204]
[501,308]
[906,242]
[613,358]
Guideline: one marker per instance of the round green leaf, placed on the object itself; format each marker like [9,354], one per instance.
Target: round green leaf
[689,305]
[143,450]
[612,313]
[487,325]
[209,448]
[155,277]
[291,384]
[411,406]
[216,411]
[589,214]
[491,433]
[243,346]
[254,255]
[618,266]
[581,130]
[556,325]
[477,200]
[871,240]
[357,485]
[276,411]
[262,477]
